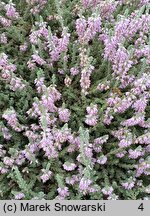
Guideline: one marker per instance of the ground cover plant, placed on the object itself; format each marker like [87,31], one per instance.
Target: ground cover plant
[75,99]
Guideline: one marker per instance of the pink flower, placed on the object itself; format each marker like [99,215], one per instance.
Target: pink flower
[6,133]
[72,180]
[143,139]
[74,71]
[81,27]
[3,38]
[101,140]
[23,47]
[38,59]
[46,175]
[64,114]
[128,185]
[3,170]
[11,11]
[19,196]
[16,83]
[67,81]
[8,161]
[140,105]
[5,22]
[40,84]
[92,117]
[103,86]
[136,153]
[69,166]
[91,120]
[63,192]
[107,190]
[92,110]
[84,184]
[102,159]
[121,154]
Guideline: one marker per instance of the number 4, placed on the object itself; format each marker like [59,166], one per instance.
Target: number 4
[141,207]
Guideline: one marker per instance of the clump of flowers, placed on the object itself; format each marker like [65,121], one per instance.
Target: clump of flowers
[74,99]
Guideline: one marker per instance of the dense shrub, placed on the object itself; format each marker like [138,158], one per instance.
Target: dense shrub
[74,99]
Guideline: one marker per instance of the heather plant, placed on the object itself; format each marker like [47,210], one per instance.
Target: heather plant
[74,99]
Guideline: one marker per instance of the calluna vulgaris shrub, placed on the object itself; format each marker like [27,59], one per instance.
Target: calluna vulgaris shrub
[75,99]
